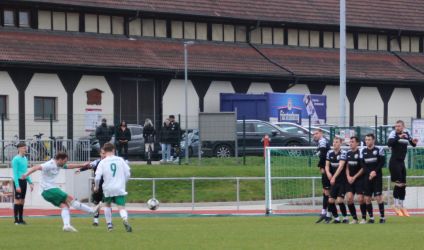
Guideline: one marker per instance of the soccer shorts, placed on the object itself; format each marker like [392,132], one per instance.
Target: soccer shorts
[357,187]
[397,171]
[374,186]
[23,186]
[325,182]
[337,190]
[97,197]
[55,196]
[118,200]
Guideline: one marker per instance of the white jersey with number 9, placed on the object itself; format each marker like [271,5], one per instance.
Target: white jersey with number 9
[115,172]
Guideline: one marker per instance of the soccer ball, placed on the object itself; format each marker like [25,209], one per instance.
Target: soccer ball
[153,204]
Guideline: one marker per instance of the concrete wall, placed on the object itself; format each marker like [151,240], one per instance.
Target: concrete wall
[402,106]
[174,102]
[80,102]
[259,88]
[8,88]
[212,97]
[368,104]
[299,89]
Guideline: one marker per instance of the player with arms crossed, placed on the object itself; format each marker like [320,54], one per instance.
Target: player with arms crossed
[398,142]
[373,159]
[96,197]
[355,181]
[115,172]
[335,170]
[53,194]
[323,147]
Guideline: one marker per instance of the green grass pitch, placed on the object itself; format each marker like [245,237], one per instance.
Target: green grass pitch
[275,232]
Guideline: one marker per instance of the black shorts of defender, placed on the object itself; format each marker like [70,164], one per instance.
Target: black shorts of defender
[374,186]
[337,190]
[23,186]
[325,182]
[357,187]
[397,171]
[97,197]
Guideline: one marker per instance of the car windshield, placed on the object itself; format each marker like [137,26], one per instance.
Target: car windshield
[292,129]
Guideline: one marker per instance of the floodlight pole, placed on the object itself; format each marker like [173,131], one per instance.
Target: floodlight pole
[342,91]
[186,44]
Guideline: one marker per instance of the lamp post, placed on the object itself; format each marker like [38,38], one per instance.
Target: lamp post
[186,44]
[342,93]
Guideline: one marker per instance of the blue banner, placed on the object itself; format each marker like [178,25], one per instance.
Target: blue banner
[297,108]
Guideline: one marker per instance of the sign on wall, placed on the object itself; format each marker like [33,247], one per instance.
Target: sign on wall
[93,119]
[297,108]
[418,130]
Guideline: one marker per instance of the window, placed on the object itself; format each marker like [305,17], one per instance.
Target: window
[105,24]
[44,107]
[24,18]
[264,128]
[9,18]
[3,105]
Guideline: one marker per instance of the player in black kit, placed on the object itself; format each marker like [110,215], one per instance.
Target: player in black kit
[399,139]
[373,161]
[335,170]
[323,147]
[355,181]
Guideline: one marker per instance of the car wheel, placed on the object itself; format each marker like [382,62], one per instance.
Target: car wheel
[223,150]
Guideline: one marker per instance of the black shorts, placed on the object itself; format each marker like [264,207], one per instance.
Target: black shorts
[357,187]
[23,186]
[337,190]
[374,186]
[97,197]
[325,182]
[397,171]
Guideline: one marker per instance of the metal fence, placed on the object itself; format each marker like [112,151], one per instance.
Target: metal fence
[39,150]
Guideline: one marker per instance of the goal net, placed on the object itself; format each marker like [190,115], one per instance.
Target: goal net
[293,180]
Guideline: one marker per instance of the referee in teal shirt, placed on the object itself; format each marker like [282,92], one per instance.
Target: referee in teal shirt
[20,167]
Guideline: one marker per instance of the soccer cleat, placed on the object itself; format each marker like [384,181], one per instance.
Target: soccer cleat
[345,221]
[127,226]
[321,218]
[370,221]
[95,224]
[16,223]
[363,221]
[22,222]
[327,220]
[398,211]
[70,229]
[336,222]
[109,227]
[405,212]
[382,220]
[354,222]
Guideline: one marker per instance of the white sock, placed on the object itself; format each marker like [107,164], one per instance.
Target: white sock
[401,203]
[96,220]
[108,214]
[323,211]
[328,214]
[78,205]
[66,217]
[396,202]
[337,219]
[124,214]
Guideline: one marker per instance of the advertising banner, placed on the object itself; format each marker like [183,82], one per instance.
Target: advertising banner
[418,130]
[297,108]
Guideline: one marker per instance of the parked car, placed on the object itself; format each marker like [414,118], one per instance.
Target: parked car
[193,143]
[255,131]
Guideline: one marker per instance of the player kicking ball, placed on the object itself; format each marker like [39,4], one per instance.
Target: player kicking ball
[53,194]
[115,172]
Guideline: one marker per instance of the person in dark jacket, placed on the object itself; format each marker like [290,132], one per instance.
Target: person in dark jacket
[123,136]
[149,134]
[103,133]
[174,137]
[164,141]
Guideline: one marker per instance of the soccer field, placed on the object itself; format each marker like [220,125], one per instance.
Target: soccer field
[276,232]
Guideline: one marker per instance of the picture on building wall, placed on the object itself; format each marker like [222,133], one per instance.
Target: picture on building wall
[297,108]
[6,191]
[93,119]
[418,131]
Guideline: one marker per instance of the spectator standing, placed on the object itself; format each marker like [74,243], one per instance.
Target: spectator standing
[164,141]
[149,134]
[103,133]
[123,136]
[174,136]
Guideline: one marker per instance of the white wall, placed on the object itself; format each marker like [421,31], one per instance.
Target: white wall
[46,85]
[259,88]
[298,89]
[9,89]
[174,102]
[368,103]
[333,108]
[402,106]
[80,102]
[212,97]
